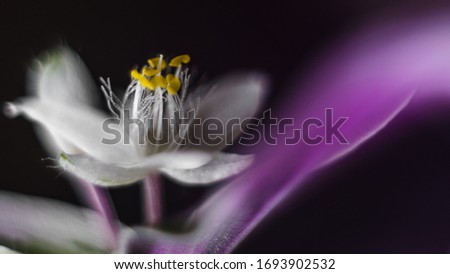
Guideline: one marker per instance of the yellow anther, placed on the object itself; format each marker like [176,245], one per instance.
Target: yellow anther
[173,84]
[136,75]
[150,72]
[142,80]
[159,81]
[147,84]
[176,61]
[155,61]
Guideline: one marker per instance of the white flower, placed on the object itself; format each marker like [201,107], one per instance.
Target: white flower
[63,103]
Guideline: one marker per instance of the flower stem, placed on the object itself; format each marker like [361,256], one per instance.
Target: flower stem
[152,193]
[97,199]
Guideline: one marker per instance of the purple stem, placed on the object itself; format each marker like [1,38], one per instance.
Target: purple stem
[98,199]
[152,199]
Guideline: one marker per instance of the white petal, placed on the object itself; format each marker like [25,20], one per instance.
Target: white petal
[35,224]
[53,143]
[62,77]
[222,166]
[237,96]
[81,126]
[99,173]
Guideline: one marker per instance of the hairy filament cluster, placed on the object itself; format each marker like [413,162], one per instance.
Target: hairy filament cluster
[156,97]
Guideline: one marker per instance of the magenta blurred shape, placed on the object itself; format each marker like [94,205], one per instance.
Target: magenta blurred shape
[382,70]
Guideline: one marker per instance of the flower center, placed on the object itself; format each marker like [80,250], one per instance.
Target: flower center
[158,76]
[156,97]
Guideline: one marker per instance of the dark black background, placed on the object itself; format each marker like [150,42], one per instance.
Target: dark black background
[392,195]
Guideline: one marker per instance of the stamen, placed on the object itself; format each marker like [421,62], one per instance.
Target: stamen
[150,72]
[156,92]
[176,61]
[159,81]
[135,74]
[173,84]
[153,62]
[147,84]
[142,80]
[152,78]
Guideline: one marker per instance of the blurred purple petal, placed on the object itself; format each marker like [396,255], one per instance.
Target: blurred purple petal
[369,79]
